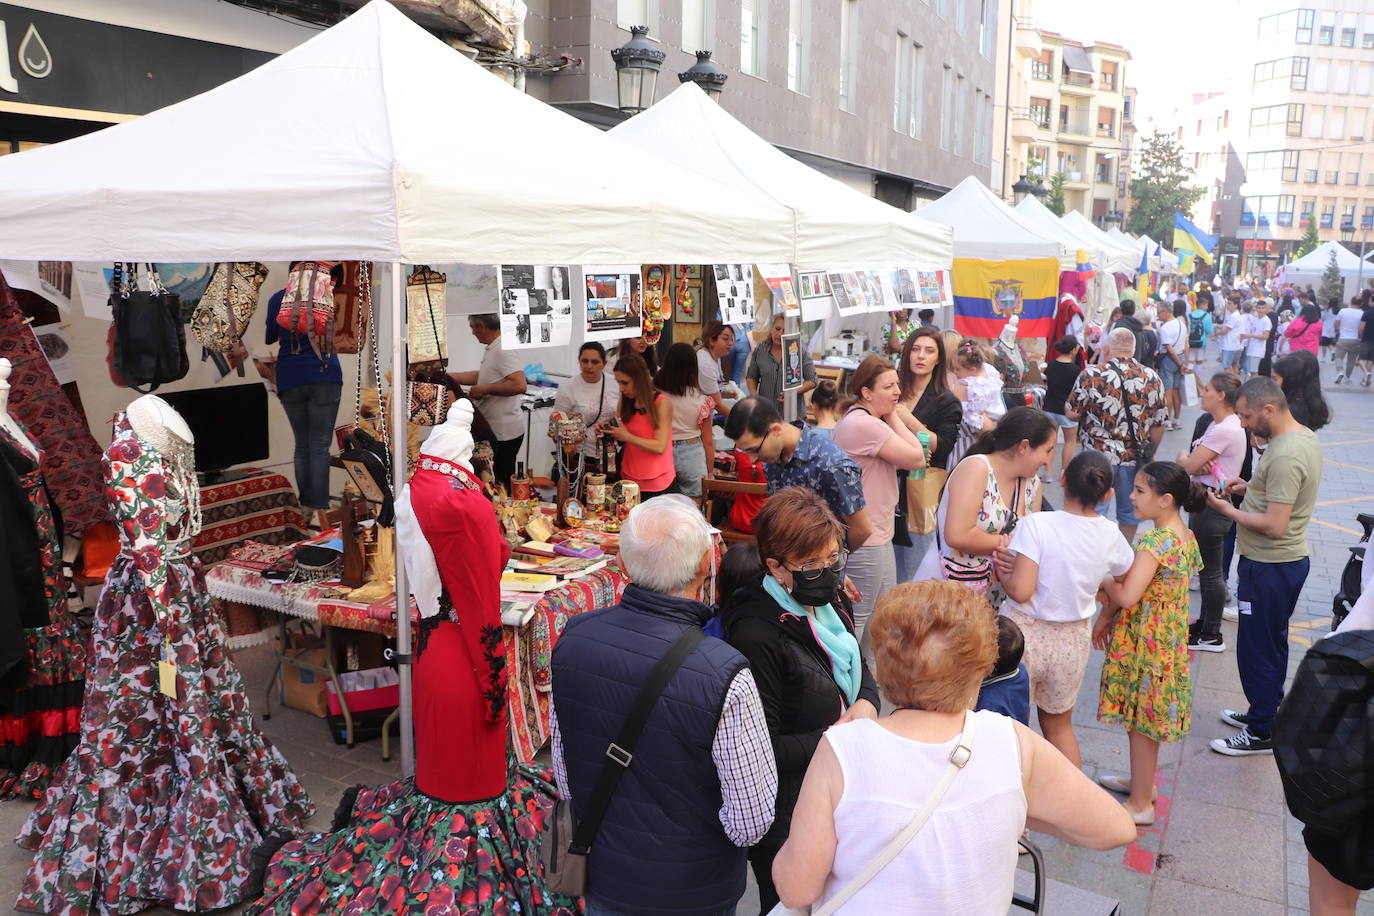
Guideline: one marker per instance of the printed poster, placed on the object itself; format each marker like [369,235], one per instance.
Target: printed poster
[905,283]
[847,293]
[779,280]
[934,287]
[57,347]
[536,306]
[791,361]
[735,293]
[816,300]
[615,307]
[878,291]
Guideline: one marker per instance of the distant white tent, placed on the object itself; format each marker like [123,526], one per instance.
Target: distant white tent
[1120,258]
[986,228]
[1101,287]
[1310,267]
[836,225]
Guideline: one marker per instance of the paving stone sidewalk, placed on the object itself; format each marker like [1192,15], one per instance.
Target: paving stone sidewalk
[1223,843]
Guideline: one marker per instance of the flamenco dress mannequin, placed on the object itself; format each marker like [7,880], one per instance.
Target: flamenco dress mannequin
[462,835]
[172,786]
[42,644]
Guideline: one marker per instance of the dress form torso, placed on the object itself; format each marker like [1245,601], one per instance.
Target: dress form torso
[9,423]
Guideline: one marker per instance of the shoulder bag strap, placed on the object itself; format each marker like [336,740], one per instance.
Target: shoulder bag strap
[1136,444]
[620,753]
[958,759]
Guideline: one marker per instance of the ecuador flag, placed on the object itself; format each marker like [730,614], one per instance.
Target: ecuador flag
[1191,240]
[987,293]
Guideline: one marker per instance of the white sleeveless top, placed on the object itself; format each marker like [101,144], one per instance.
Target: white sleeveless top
[964,859]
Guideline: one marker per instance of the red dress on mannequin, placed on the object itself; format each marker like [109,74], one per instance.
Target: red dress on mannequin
[460,716]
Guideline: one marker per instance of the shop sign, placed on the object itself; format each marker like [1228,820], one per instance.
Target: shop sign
[1264,246]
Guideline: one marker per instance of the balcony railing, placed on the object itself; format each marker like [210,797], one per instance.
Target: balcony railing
[1078,80]
[1075,127]
[1105,131]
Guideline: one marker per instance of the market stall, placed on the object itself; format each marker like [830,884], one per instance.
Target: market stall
[1094,284]
[1308,269]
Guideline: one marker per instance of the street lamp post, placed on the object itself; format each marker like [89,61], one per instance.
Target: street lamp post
[636,70]
[1039,189]
[1021,189]
[706,75]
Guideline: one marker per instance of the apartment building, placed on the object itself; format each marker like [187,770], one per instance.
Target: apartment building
[893,97]
[1071,112]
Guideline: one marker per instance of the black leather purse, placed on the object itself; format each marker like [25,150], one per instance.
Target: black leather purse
[149,338]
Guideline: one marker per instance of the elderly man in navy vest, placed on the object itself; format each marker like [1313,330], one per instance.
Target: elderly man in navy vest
[700,788]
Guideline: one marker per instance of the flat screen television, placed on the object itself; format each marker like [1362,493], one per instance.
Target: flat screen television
[229,423]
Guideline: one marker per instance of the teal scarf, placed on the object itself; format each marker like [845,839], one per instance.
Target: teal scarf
[846,664]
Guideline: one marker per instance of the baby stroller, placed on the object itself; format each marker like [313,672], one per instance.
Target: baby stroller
[1352,576]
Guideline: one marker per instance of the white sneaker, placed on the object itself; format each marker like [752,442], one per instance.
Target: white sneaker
[1230,612]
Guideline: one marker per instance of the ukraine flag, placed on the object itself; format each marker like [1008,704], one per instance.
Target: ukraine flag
[1190,240]
[987,293]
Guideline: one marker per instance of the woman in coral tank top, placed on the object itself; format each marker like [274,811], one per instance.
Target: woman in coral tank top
[644,424]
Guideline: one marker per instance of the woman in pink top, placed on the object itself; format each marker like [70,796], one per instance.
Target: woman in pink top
[1305,331]
[873,431]
[645,426]
[1215,458]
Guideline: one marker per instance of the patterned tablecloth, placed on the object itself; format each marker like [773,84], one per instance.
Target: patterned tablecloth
[529,648]
[261,506]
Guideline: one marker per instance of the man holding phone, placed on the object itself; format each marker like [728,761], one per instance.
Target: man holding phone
[1272,539]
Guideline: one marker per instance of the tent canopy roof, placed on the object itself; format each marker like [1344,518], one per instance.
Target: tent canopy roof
[837,225]
[1127,256]
[985,227]
[372,140]
[1047,224]
[1316,260]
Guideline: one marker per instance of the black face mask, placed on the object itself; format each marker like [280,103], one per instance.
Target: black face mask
[817,591]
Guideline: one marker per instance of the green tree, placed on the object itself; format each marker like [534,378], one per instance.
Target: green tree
[1333,284]
[1163,185]
[1310,240]
[1055,199]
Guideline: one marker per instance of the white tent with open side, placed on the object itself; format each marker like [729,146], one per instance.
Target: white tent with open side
[1310,267]
[986,228]
[837,225]
[1047,224]
[1120,258]
[372,141]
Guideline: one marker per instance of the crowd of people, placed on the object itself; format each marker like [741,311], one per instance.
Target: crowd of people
[907,566]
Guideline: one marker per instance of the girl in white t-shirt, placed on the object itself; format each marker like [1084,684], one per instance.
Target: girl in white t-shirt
[1061,560]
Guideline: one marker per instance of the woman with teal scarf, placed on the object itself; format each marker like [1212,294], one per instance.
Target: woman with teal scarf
[796,628]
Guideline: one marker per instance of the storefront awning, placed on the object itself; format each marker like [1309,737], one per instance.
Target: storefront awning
[1076,60]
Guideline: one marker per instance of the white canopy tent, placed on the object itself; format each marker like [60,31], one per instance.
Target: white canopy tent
[986,228]
[1101,287]
[1310,267]
[373,141]
[1120,258]
[837,226]
[1167,260]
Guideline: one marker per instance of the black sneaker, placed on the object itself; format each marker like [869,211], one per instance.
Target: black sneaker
[1200,643]
[1237,719]
[1243,744]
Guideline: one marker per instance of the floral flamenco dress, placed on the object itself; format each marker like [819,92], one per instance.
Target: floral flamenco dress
[168,793]
[462,836]
[40,715]
[1146,684]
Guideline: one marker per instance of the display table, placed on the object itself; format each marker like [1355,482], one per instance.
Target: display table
[529,648]
[261,505]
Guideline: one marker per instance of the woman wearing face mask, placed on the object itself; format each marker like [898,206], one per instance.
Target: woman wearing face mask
[798,636]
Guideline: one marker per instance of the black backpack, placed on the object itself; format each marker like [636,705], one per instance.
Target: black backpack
[149,338]
[1197,332]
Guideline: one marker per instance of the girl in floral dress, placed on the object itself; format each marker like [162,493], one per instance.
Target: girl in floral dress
[1146,685]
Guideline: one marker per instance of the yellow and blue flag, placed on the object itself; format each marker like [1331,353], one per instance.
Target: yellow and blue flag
[1143,279]
[1189,238]
[987,293]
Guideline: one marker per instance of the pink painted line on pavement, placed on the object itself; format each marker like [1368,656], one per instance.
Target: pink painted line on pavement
[1138,858]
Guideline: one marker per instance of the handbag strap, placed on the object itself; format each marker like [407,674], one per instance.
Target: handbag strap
[620,752]
[958,759]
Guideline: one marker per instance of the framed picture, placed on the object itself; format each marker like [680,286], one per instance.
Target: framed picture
[693,271]
[791,361]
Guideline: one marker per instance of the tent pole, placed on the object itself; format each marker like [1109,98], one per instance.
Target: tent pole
[400,428]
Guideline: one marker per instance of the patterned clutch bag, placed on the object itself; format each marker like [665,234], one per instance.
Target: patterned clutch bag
[429,403]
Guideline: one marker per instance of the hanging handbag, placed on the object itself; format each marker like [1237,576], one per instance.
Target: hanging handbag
[227,306]
[149,337]
[307,307]
[564,846]
[958,759]
[427,322]
[923,500]
[429,403]
[351,305]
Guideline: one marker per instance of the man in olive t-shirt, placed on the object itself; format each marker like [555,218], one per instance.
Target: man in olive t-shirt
[1272,539]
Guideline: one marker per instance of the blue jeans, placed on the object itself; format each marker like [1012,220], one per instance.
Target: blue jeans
[1272,590]
[738,356]
[312,410]
[1123,481]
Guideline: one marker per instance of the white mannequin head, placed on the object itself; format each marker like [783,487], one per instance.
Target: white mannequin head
[1008,335]
[151,409]
[452,440]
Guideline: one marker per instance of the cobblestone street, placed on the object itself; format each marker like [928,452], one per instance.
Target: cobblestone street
[1223,842]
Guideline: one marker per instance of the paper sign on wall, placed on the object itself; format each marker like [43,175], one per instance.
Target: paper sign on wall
[779,280]
[615,308]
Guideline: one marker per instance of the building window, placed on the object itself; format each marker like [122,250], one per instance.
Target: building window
[849,54]
[1306,19]
[1333,176]
[694,37]
[753,26]
[1348,215]
[1326,35]
[960,115]
[1042,67]
[1291,160]
[960,15]
[1038,163]
[946,106]
[986,29]
[901,101]
[918,85]
[942,7]
[1286,209]
[1347,38]
[1040,112]
[798,45]
[636,12]
[1108,82]
[1309,209]
[1298,80]
[1367,41]
[1367,219]
[1103,174]
[1328,215]
[1295,120]
[1267,120]
[1309,176]
[1106,122]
